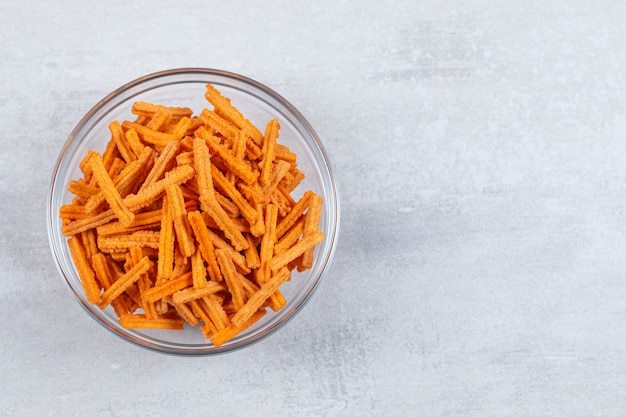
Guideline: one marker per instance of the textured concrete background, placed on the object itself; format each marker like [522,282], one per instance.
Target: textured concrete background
[479,150]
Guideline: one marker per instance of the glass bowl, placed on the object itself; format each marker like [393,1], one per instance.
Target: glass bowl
[185,88]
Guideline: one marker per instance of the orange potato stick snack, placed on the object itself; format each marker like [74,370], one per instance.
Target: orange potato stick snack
[231,113]
[72,212]
[82,189]
[116,167]
[160,119]
[199,310]
[198,271]
[247,211]
[218,124]
[293,215]
[86,223]
[296,250]
[110,192]
[311,224]
[144,220]
[269,143]
[252,254]
[125,281]
[267,243]
[120,140]
[85,272]
[140,321]
[215,311]
[202,164]
[205,244]
[179,216]
[232,330]
[228,270]
[132,138]
[165,260]
[290,238]
[88,238]
[169,287]
[121,243]
[149,194]
[168,153]
[185,312]
[103,275]
[142,108]
[239,168]
[187,295]
[258,298]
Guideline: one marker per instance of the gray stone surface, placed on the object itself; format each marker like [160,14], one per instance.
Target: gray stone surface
[479,150]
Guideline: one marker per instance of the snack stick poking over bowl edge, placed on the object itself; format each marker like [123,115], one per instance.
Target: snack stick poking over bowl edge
[190,221]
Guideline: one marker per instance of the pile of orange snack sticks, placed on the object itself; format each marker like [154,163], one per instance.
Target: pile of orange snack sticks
[190,219]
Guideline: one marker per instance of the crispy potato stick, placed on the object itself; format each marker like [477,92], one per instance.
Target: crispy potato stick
[85,272]
[144,220]
[279,172]
[231,113]
[135,254]
[239,168]
[165,260]
[202,164]
[121,243]
[116,167]
[169,287]
[218,124]
[199,310]
[90,222]
[252,254]
[111,194]
[232,330]
[159,138]
[311,224]
[140,321]
[125,181]
[198,271]
[179,216]
[88,238]
[185,312]
[82,189]
[134,142]
[120,140]
[258,298]
[269,143]
[229,190]
[125,281]
[108,156]
[296,250]
[168,153]
[214,309]
[228,270]
[160,119]
[290,238]
[239,152]
[141,108]
[267,243]
[224,222]
[205,244]
[72,212]
[297,210]
[187,295]
[103,275]
[149,194]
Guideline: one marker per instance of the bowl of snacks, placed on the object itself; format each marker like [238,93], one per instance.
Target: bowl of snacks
[193,212]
